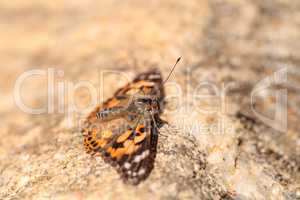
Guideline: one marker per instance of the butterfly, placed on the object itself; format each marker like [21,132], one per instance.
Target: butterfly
[124,129]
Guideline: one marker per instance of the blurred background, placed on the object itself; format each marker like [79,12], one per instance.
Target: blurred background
[220,42]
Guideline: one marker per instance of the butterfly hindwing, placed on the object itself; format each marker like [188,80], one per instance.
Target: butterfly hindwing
[137,163]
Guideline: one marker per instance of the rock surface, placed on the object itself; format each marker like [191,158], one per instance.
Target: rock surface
[213,148]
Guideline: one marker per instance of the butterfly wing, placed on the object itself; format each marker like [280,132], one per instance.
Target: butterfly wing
[148,83]
[129,145]
[93,128]
[136,154]
[130,148]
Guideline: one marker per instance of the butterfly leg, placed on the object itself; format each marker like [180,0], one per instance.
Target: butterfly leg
[160,122]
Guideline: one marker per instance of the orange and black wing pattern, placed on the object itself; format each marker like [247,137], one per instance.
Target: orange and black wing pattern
[129,144]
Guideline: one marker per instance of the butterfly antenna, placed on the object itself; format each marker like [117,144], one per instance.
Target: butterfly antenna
[178,59]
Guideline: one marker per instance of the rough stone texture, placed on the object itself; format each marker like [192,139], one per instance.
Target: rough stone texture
[221,42]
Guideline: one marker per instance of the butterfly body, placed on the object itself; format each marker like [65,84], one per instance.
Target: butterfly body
[124,129]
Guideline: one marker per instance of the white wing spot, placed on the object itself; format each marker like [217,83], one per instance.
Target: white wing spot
[140,157]
[129,172]
[141,171]
[127,165]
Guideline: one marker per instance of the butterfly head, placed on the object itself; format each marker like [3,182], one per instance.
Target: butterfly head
[145,104]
